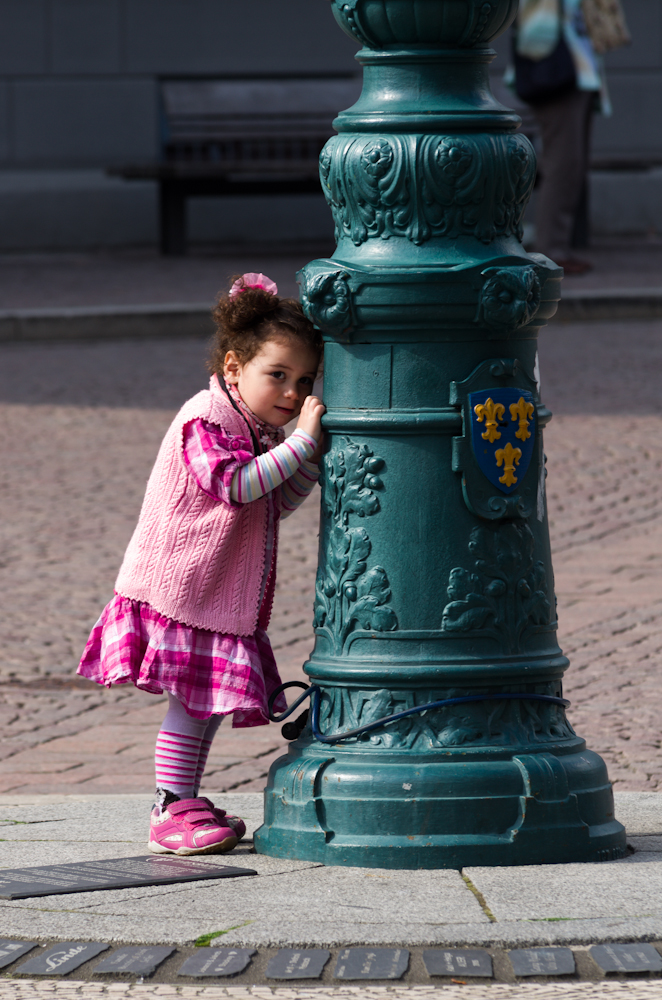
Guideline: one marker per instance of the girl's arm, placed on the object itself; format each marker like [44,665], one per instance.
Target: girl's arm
[265,472]
[298,487]
[225,469]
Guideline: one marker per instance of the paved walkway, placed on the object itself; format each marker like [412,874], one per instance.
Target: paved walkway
[80,428]
[142,277]
[31,990]
[292,903]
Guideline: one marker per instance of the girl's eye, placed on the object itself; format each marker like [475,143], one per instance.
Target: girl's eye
[306,380]
[279,375]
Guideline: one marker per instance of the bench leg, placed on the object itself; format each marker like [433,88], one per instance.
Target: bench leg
[172,219]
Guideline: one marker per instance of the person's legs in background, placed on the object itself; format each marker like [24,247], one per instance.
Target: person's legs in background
[565,126]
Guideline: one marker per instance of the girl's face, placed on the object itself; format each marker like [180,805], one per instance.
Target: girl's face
[276,381]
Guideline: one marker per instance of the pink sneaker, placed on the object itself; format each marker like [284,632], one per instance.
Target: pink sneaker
[234,822]
[189,826]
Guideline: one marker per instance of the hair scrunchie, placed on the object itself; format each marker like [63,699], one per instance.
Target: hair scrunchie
[252,280]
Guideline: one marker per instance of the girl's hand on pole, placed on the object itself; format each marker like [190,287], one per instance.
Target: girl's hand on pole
[310,418]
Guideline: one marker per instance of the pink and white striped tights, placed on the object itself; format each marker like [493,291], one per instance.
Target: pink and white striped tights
[182,748]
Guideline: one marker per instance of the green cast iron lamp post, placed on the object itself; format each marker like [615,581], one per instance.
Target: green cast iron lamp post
[435,579]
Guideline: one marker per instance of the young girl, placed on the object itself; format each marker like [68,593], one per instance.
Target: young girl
[194,594]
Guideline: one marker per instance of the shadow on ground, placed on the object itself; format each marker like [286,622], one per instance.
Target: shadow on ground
[142,374]
[591,368]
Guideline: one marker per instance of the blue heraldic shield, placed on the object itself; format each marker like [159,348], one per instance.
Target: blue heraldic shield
[503,431]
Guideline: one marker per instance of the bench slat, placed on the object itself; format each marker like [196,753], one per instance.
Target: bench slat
[265,97]
[205,110]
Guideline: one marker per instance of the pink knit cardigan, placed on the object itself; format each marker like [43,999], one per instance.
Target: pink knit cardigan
[192,558]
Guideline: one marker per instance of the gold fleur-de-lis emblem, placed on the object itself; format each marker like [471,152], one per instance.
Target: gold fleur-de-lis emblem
[491,413]
[508,457]
[522,412]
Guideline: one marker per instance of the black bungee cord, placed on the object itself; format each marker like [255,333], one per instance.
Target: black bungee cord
[313,692]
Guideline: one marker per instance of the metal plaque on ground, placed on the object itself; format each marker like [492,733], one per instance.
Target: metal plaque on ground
[133,961]
[627,957]
[542,961]
[114,873]
[457,961]
[62,959]
[11,950]
[371,963]
[298,963]
[217,962]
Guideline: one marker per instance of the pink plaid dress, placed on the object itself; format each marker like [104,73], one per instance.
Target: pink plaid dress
[210,673]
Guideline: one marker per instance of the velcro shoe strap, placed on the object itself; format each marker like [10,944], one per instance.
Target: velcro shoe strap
[194,810]
[219,813]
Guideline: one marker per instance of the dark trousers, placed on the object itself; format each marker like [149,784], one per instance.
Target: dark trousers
[565,129]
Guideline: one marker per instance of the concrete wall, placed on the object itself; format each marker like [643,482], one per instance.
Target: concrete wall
[78,78]
[79,92]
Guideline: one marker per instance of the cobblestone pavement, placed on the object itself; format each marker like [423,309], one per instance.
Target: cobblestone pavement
[32,989]
[80,428]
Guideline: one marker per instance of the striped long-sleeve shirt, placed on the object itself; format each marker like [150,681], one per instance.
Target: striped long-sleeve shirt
[226,470]
[288,464]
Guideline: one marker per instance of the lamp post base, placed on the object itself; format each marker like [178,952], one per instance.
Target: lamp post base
[445,810]
[435,580]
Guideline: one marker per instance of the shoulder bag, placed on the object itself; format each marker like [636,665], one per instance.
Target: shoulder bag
[540,80]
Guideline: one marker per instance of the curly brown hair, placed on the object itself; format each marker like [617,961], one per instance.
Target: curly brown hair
[247,321]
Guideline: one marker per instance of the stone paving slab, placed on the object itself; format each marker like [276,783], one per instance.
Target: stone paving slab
[104,818]
[269,933]
[618,891]
[310,906]
[639,812]
[299,903]
[250,969]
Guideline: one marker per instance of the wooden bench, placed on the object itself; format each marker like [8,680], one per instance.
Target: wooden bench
[236,137]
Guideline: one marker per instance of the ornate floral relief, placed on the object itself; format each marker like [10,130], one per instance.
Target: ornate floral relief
[422,186]
[509,299]
[487,723]
[352,20]
[482,17]
[376,23]
[348,593]
[326,300]
[504,594]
